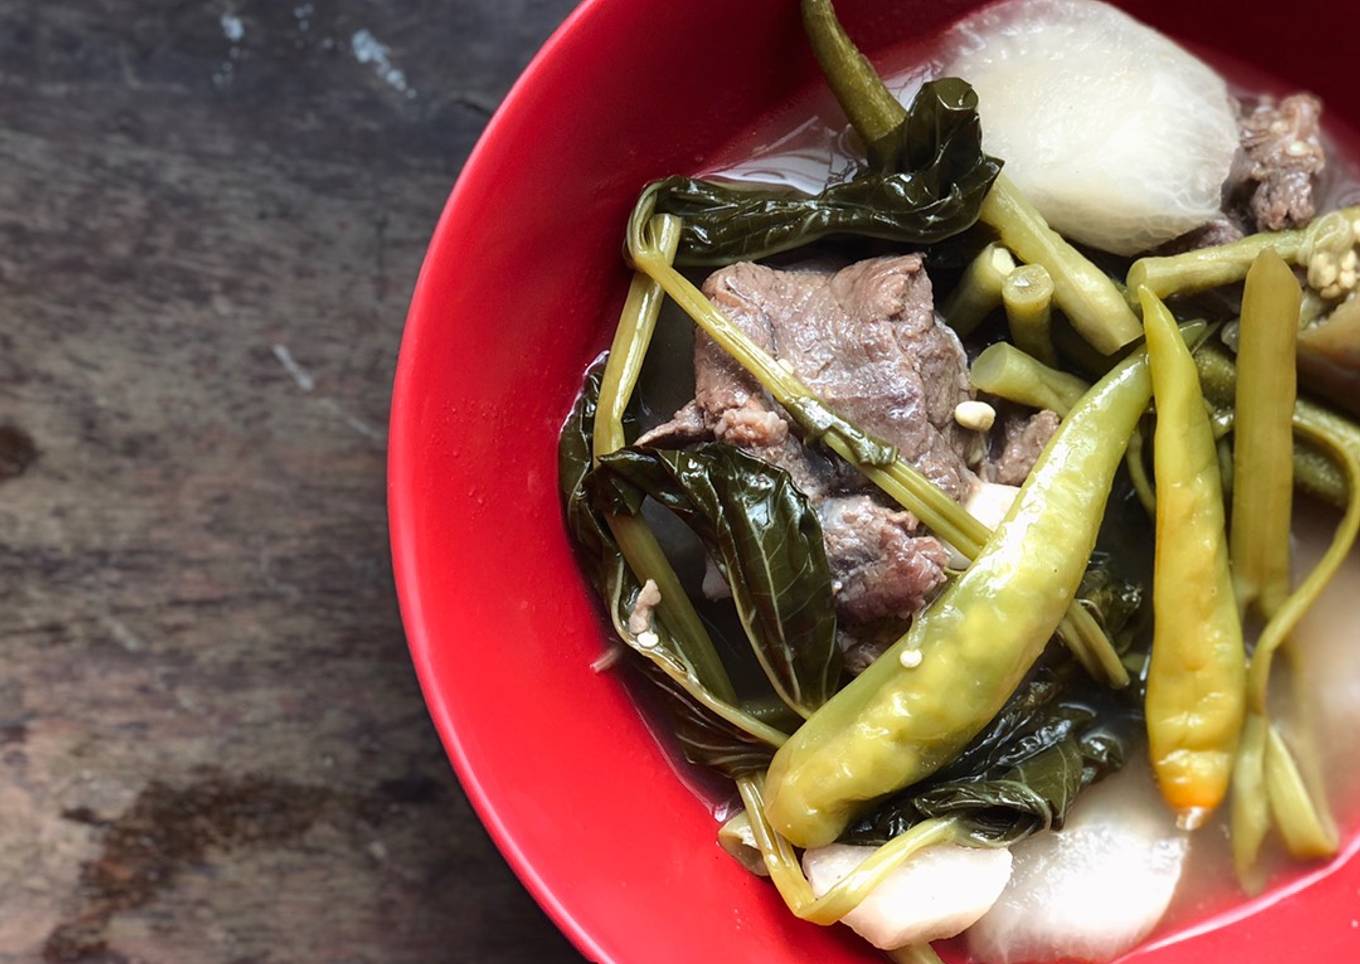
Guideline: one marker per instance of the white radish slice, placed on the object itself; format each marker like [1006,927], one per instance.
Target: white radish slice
[1094,889]
[1121,138]
[936,894]
[988,503]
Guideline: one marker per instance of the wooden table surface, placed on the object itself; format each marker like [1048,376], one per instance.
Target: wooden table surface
[212,746]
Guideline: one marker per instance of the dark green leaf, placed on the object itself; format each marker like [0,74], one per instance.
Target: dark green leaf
[937,193]
[765,538]
[711,732]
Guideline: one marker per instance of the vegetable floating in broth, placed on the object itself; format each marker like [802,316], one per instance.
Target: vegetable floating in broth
[990,452]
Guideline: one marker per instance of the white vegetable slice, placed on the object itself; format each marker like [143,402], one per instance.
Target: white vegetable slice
[934,895]
[1121,138]
[1094,889]
[988,503]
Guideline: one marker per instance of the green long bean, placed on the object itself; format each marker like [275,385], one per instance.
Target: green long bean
[1027,294]
[978,292]
[1091,301]
[1007,372]
[894,725]
[1263,456]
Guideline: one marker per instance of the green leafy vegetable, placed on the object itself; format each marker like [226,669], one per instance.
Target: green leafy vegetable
[713,732]
[766,540]
[936,193]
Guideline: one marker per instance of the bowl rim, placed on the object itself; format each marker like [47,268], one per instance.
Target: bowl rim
[474,177]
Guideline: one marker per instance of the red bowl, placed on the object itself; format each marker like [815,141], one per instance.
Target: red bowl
[520,288]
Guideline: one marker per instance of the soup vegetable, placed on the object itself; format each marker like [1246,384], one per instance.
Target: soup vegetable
[992,451]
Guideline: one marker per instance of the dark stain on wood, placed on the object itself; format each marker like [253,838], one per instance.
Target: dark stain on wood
[165,830]
[17,452]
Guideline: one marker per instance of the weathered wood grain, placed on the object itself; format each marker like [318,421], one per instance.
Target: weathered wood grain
[212,747]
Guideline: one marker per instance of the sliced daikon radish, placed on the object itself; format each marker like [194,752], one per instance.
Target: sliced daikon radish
[936,894]
[988,503]
[1121,138]
[1094,889]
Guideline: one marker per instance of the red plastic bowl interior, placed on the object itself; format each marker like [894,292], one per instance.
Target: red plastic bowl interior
[521,287]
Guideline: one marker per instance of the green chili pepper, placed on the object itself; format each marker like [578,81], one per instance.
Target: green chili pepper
[1196,686]
[918,705]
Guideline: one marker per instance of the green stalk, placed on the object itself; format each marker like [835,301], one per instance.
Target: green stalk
[921,953]
[1266,778]
[1027,294]
[1292,609]
[1225,264]
[872,109]
[1091,301]
[1007,372]
[845,896]
[1305,822]
[1263,444]
[978,292]
[635,540]
[1250,811]
[1136,463]
[1314,472]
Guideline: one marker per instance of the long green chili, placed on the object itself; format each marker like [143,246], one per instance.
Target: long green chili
[1263,464]
[898,722]
[1197,675]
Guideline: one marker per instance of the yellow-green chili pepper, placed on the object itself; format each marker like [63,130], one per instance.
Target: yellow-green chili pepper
[919,704]
[1196,688]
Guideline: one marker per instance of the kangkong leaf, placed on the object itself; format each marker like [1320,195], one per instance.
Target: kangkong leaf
[937,192]
[764,537]
[712,732]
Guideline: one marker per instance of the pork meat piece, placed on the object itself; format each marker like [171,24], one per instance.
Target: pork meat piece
[1017,446]
[864,339]
[881,570]
[1283,154]
[1224,229]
